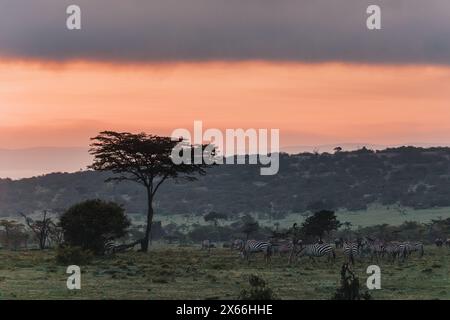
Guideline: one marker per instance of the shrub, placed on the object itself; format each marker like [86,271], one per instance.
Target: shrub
[259,290]
[66,255]
[92,223]
[350,289]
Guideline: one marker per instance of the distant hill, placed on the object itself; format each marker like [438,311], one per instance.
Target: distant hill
[352,146]
[413,177]
[29,162]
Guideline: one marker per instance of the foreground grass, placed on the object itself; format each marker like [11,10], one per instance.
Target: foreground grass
[189,273]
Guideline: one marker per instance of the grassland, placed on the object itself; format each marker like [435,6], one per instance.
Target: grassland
[375,214]
[189,273]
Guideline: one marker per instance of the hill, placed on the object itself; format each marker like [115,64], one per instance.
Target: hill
[406,176]
[19,163]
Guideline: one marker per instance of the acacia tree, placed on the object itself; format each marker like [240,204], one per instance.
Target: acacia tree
[41,228]
[8,226]
[15,234]
[249,226]
[320,223]
[214,217]
[146,159]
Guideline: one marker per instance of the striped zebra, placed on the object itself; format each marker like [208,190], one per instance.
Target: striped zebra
[376,249]
[397,250]
[254,246]
[237,244]
[317,250]
[352,250]
[414,247]
[109,248]
[282,247]
[112,247]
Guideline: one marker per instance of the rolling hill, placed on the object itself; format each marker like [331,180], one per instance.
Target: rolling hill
[406,176]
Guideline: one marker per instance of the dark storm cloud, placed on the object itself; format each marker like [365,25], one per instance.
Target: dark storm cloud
[414,31]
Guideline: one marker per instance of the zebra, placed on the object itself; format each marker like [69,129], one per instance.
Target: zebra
[109,248]
[237,244]
[375,249]
[317,250]
[352,250]
[254,246]
[397,250]
[414,247]
[112,247]
[284,247]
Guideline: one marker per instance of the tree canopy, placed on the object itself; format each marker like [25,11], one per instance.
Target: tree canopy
[147,160]
[320,223]
[91,224]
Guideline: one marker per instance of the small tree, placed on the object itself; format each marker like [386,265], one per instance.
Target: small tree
[56,233]
[249,226]
[259,290]
[40,228]
[214,217]
[277,226]
[8,225]
[91,224]
[320,223]
[147,160]
[15,234]
[337,149]
[350,288]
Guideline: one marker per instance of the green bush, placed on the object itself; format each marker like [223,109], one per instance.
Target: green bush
[92,223]
[66,255]
[350,288]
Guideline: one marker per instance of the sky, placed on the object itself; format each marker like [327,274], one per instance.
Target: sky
[309,68]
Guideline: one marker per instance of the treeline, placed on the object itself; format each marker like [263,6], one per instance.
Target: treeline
[16,234]
[411,177]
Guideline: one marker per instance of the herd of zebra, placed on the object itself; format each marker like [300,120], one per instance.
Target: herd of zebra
[352,251]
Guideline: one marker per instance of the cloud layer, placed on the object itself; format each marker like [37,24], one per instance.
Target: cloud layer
[414,31]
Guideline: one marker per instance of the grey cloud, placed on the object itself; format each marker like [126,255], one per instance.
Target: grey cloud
[414,31]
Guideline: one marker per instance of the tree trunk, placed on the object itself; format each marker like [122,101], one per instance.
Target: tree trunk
[148,230]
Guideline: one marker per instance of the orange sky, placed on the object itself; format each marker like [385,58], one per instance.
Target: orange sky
[311,104]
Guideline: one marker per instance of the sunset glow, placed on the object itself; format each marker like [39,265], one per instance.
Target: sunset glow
[65,104]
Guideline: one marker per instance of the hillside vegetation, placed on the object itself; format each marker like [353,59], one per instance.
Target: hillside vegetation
[411,177]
